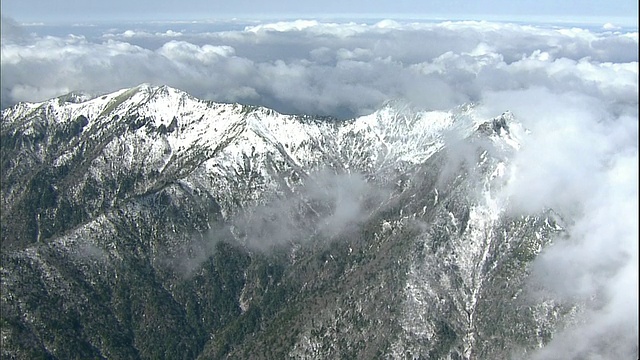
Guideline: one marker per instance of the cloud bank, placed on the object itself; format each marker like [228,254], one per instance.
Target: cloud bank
[575,89]
[306,66]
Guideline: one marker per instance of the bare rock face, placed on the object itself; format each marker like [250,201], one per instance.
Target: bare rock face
[149,224]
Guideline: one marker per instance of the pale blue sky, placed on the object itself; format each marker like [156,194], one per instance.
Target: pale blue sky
[553,10]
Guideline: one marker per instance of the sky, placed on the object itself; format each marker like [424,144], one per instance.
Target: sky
[82,11]
[573,84]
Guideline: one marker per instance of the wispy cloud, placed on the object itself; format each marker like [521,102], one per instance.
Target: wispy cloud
[325,206]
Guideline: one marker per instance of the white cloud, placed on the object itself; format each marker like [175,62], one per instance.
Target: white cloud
[610,26]
[580,159]
[288,65]
[181,52]
[283,26]
[132,34]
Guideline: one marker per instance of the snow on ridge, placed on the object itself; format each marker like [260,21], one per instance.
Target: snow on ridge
[407,135]
[393,133]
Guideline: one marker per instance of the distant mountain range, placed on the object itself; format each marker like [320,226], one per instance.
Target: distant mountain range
[148,224]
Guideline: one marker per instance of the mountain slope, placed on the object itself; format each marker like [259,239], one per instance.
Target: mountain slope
[149,224]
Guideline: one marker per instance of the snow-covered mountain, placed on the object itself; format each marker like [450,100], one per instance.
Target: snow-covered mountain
[147,223]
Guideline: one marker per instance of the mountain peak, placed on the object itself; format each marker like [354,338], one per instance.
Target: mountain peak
[497,126]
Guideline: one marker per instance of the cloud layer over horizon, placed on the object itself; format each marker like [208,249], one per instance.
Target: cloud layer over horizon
[311,67]
[575,89]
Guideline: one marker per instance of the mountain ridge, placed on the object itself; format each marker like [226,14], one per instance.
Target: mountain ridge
[226,231]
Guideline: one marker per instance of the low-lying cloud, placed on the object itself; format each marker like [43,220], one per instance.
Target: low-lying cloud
[322,207]
[581,160]
[326,205]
